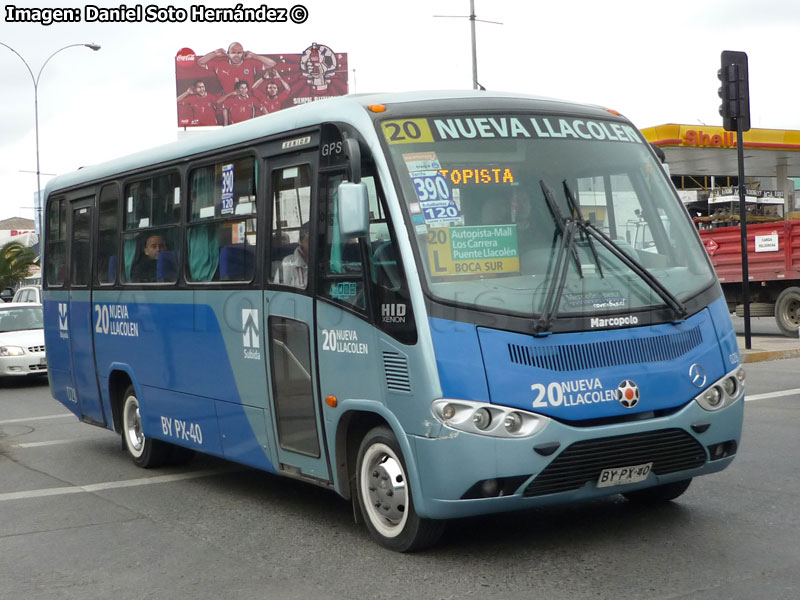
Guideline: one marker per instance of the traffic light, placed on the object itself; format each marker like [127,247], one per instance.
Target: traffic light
[734,91]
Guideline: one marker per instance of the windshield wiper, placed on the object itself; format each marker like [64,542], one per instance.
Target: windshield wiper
[561,222]
[629,261]
[556,288]
[567,227]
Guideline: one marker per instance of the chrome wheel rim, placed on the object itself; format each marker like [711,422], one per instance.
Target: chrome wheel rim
[132,426]
[384,490]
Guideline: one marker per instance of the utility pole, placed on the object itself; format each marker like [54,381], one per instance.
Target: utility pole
[472,18]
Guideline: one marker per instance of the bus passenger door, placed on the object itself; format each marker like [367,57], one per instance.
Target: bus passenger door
[80,322]
[289,322]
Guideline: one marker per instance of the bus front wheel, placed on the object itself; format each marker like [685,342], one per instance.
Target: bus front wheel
[144,452]
[385,496]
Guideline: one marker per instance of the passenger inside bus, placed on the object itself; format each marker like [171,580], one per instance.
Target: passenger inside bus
[294,267]
[145,268]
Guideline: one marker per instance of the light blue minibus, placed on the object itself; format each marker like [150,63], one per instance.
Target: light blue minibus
[424,302]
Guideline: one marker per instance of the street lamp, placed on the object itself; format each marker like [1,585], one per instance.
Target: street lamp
[35,81]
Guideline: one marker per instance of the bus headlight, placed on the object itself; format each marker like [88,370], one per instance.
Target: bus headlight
[713,396]
[448,412]
[487,419]
[513,422]
[482,418]
[722,392]
[729,386]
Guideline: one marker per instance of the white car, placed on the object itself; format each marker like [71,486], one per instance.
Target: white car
[22,339]
[28,293]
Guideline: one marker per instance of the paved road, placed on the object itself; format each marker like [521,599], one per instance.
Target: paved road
[215,530]
[758,326]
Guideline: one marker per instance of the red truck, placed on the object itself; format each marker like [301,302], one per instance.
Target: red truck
[773,254]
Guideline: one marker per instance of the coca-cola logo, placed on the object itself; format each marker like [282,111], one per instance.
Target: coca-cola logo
[185,57]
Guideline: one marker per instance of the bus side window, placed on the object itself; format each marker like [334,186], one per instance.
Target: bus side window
[221,235]
[389,288]
[151,239]
[341,262]
[106,263]
[291,208]
[55,242]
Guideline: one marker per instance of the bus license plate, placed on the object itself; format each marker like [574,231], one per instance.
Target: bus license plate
[624,475]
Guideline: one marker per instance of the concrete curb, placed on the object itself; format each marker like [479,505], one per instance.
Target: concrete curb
[755,355]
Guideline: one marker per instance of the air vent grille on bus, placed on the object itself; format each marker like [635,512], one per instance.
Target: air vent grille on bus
[610,353]
[670,450]
[395,367]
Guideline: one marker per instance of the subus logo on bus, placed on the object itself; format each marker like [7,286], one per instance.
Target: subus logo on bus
[250,333]
[62,320]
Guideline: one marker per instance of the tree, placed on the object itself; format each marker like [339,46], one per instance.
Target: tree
[16,261]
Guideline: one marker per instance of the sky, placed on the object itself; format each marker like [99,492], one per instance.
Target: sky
[655,62]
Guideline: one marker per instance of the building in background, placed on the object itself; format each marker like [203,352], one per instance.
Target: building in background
[20,230]
[703,165]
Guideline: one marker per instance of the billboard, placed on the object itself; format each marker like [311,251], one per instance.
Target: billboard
[223,87]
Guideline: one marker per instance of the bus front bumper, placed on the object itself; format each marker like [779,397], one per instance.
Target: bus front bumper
[464,474]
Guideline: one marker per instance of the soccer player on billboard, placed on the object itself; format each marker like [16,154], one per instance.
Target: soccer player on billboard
[240,106]
[237,64]
[202,106]
[266,90]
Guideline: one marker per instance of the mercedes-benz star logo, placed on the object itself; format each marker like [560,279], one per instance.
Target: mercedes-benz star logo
[697,375]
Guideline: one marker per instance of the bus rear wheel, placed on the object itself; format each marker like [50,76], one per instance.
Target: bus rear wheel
[385,496]
[144,452]
[660,493]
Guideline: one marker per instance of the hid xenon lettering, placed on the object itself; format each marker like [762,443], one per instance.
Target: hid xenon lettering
[393,313]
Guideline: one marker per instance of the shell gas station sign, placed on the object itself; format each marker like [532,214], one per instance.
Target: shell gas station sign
[697,136]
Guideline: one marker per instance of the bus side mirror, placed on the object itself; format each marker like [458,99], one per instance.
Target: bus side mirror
[353,209]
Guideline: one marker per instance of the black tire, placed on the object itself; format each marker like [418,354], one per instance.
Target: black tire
[660,493]
[787,311]
[144,452]
[385,498]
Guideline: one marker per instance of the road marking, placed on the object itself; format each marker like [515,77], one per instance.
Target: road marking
[49,443]
[58,416]
[772,395]
[109,485]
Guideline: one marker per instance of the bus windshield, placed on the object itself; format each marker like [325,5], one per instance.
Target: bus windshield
[476,186]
